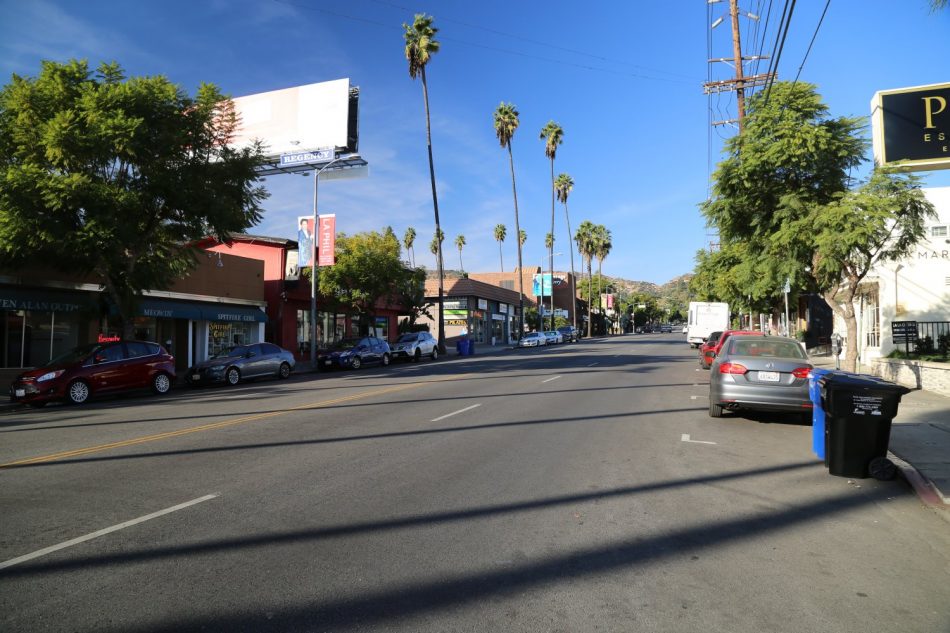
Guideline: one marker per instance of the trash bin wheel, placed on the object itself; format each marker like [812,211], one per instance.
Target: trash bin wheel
[882,469]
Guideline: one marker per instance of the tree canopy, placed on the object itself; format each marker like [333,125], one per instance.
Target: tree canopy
[117,177]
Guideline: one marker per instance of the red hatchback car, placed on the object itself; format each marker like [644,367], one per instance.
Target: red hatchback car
[708,354]
[97,368]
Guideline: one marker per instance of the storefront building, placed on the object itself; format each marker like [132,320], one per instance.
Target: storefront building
[562,283]
[479,311]
[44,314]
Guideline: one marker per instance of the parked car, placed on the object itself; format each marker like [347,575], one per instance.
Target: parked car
[242,362]
[666,328]
[760,373]
[353,353]
[710,354]
[533,339]
[554,337]
[708,346]
[94,369]
[415,345]
[570,333]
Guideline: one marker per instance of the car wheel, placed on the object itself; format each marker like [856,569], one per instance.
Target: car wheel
[715,410]
[232,376]
[77,392]
[356,362]
[435,353]
[417,355]
[284,371]
[386,360]
[161,384]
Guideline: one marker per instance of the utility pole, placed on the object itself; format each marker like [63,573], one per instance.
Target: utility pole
[741,81]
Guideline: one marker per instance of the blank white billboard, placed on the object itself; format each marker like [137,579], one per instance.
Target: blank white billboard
[308,117]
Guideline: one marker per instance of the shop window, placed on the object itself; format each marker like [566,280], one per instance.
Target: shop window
[223,335]
[382,328]
[938,231]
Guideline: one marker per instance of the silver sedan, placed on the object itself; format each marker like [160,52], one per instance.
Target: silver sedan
[759,373]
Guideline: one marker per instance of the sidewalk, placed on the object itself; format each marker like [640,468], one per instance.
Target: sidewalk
[920,441]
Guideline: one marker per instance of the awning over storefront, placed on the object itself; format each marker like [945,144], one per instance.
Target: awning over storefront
[197,311]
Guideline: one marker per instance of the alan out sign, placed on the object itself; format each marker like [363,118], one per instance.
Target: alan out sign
[911,127]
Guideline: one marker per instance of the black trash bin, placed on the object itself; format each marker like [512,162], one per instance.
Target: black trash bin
[858,413]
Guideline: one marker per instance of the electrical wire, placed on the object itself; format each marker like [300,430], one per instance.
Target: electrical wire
[820,20]
[780,47]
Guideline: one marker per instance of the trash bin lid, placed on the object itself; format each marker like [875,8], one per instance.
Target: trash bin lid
[848,380]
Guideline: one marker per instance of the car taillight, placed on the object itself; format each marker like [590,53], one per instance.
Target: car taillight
[801,372]
[732,368]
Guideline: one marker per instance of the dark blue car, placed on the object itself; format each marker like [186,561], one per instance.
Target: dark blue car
[353,353]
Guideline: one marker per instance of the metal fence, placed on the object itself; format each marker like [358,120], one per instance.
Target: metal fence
[933,337]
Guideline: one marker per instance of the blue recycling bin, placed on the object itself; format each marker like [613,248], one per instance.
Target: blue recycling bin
[817,412]
[470,348]
[461,346]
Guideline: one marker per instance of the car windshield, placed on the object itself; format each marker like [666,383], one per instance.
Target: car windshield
[407,338]
[347,343]
[232,352]
[75,354]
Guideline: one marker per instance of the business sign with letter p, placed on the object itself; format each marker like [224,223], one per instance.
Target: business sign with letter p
[911,126]
[326,240]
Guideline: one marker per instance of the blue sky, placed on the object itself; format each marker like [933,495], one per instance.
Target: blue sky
[623,78]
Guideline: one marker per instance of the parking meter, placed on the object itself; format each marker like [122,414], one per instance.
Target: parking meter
[836,349]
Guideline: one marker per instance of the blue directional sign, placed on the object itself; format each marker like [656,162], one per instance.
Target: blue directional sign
[298,158]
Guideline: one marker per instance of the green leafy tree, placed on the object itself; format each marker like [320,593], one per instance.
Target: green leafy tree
[506,122]
[500,234]
[586,246]
[460,244]
[553,136]
[563,186]
[118,177]
[877,223]
[409,240]
[368,268]
[420,46]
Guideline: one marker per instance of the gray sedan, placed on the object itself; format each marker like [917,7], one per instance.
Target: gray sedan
[760,373]
[242,362]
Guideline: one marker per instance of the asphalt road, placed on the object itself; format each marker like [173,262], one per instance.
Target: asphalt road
[571,488]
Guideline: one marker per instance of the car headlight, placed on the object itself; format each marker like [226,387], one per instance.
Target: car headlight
[50,375]
[216,368]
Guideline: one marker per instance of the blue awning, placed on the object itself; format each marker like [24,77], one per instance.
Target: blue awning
[199,311]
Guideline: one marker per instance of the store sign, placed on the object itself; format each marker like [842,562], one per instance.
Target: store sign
[454,313]
[904,332]
[503,308]
[455,304]
[108,338]
[912,126]
[457,322]
[498,317]
[483,304]
[12,303]
[326,236]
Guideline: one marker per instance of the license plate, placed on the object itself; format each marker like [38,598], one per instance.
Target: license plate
[196,376]
[20,393]
[769,376]
[328,362]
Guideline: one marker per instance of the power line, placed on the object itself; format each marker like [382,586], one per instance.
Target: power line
[780,46]
[820,20]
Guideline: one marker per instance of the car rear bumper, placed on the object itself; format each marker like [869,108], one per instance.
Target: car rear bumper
[793,398]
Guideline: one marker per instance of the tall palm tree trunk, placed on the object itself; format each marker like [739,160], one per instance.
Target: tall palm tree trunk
[514,192]
[435,206]
[590,296]
[570,241]
[501,258]
[551,250]
[600,298]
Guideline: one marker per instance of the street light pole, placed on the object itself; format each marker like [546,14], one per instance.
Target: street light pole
[313,258]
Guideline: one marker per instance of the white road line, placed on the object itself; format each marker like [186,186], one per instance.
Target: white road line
[685,438]
[550,379]
[449,415]
[592,364]
[103,532]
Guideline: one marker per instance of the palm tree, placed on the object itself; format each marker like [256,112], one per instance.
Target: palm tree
[552,135]
[586,243]
[500,234]
[408,239]
[522,237]
[420,46]
[435,246]
[563,186]
[506,122]
[459,243]
[602,248]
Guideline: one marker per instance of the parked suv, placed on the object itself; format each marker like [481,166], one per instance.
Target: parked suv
[353,353]
[415,345]
[570,333]
[95,369]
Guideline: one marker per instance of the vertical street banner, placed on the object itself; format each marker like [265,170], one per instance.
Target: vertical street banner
[326,236]
[305,240]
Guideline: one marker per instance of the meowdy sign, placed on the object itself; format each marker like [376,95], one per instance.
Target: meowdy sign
[912,126]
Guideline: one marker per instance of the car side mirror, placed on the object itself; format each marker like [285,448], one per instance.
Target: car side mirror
[99,358]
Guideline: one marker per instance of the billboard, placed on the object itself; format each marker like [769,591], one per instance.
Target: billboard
[541,285]
[326,236]
[300,120]
[912,125]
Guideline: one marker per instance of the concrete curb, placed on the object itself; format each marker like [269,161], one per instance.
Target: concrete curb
[926,491]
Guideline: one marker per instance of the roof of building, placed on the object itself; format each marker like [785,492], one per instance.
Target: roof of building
[466,287]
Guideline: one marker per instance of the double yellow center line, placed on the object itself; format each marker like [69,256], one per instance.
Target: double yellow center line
[213,426]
